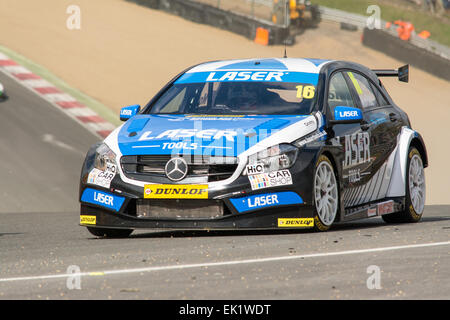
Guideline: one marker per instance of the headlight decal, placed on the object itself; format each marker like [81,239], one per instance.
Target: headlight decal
[275,158]
[105,167]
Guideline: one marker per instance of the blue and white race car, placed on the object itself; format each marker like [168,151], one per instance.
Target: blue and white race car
[258,144]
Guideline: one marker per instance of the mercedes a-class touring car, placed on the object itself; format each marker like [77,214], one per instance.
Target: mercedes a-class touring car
[258,144]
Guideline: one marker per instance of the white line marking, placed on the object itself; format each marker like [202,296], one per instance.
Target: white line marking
[225,263]
[154,146]
[216,147]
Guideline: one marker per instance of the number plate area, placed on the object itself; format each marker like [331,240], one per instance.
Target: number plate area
[179,208]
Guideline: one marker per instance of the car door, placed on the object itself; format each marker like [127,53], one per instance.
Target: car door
[354,141]
[380,126]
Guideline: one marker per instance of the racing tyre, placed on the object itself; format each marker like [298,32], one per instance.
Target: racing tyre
[415,191]
[326,194]
[110,233]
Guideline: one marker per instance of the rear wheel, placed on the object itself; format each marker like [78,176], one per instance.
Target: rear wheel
[110,233]
[415,191]
[326,194]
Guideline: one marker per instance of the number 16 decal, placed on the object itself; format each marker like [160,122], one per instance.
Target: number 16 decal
[305,92]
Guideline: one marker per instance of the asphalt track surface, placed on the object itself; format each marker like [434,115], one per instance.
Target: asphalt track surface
[41,243]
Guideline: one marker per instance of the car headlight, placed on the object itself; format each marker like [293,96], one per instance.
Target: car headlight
[105,158]
[275,158]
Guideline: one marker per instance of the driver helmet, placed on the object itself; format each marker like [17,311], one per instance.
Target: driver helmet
[244,95]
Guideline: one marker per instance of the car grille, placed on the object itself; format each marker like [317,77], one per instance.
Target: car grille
[202,169]
[192,208]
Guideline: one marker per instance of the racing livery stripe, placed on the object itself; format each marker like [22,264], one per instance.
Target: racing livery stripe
[360,194]
[377,185]
[271,64]
[353,192]
[210,136]
[377,189]
[373,183]
[372,190]
[63,101]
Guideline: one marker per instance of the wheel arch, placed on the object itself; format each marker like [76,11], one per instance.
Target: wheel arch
[418,143]
[407,138]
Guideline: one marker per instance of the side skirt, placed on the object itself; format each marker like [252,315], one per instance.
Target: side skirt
[374,209]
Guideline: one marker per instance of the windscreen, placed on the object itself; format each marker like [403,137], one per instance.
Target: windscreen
[243,98]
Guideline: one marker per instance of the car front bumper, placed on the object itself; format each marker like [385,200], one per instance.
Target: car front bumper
[238,205]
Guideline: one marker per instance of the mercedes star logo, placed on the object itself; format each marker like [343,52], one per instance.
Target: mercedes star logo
[176,169]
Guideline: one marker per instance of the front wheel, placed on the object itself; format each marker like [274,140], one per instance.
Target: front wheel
[110,233]
[415,191]
[326,194]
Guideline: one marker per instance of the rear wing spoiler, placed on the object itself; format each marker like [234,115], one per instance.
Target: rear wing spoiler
[402,73]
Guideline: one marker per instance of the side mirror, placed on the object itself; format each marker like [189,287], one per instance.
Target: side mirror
[346,115]
[128,112]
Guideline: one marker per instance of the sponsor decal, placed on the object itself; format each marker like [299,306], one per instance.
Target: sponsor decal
[354,175]
[306,92]
[347,113]
[256,168]
[102,178]
[271,179]
[175,191]
[89,220]
[295,222]
[261,201]
[371,212]
[310,138]
[188,133]
[309,123]
[103,199]
[245,76]
[357,149]
[206,117]
[126,112]
[385,207]
[180,145]
[249,76]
